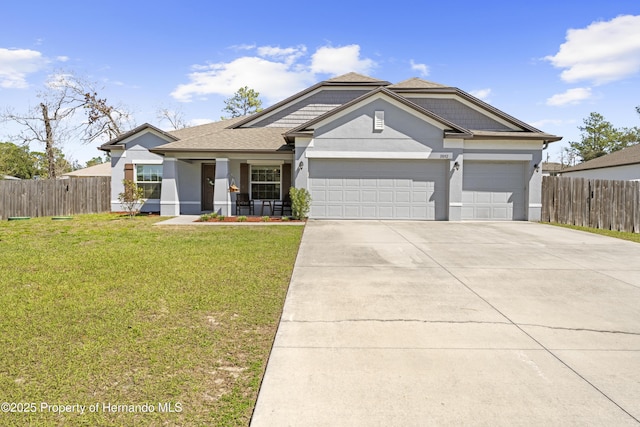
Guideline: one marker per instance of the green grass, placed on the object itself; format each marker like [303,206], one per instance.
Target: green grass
[104,309]
[634,237]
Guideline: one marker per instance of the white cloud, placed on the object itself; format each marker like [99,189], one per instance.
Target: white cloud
[423,69]
[289,54]
[483,94]
[274,80]
[16,64]
[273,71]
[602,52]
[340,60]
[571,96]
[62,58]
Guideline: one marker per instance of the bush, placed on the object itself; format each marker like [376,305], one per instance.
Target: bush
[131,199]
[300,202]
[242,218]
[266,218]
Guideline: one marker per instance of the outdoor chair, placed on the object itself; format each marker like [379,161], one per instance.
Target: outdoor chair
[282,206]
[244,202]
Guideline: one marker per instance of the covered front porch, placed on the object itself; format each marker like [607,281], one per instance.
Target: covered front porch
[225,183]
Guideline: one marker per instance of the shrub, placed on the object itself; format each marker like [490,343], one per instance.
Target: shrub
[300,202]
[131,199]
[266,218]
[242,218]
[284,218]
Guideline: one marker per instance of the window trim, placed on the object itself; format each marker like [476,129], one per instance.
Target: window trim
[135,176]
[269,165]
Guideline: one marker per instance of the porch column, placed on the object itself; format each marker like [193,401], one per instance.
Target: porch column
[169,199]
[221,195]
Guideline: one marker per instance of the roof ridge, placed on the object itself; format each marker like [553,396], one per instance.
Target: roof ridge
[417,83]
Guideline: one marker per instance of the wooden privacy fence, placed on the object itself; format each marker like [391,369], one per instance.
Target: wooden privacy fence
[596,203]
[53,197]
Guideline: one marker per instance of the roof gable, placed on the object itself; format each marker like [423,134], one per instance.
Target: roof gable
[121,141]
[345,82]
[369,97]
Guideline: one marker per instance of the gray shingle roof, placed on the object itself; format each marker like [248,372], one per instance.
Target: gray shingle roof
[416,83]
[356,78]
[267,131]
[220,138]
[627,156]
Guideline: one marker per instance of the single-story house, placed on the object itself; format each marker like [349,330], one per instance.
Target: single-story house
[363,147]
[103,169]
[620,165]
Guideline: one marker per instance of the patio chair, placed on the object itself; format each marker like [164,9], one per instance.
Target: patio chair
[244,202]
[282,206]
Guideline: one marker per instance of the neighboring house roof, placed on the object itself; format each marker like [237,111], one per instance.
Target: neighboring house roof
[552,167]
[626,156]
[10,178]
[103,169]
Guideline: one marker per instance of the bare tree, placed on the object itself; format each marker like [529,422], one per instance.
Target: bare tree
[175,117]
[105,121]
[51,122]
[46,123]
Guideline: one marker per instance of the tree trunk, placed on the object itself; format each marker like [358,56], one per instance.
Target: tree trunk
[51,155]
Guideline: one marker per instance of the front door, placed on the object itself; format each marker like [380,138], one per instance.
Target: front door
[208,178]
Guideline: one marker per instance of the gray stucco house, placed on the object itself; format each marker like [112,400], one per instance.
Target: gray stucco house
[363,147]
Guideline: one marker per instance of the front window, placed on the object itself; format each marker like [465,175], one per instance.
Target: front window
[149,178]
[265,182]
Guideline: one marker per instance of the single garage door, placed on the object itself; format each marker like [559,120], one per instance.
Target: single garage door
[493,191]
[378,189]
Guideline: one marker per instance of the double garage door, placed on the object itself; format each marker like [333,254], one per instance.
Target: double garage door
[414,189]
[378,189]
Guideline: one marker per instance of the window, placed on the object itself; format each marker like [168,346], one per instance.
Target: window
[149,178]
[265,182]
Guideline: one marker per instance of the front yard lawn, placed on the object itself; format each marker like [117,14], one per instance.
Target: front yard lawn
[135,324]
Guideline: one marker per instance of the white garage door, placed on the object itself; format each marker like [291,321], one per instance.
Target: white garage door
[378,189]
[493,191]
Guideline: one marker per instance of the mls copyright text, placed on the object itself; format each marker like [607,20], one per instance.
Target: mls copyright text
[103,407]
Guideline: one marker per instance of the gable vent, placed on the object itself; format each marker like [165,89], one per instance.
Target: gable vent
[378,120]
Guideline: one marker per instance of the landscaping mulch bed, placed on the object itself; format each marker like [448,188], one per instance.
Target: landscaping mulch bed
[248,219]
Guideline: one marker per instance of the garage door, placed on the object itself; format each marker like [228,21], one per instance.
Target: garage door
[493,191]
[378,189]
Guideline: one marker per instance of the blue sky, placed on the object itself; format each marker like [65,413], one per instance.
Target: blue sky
[549,63]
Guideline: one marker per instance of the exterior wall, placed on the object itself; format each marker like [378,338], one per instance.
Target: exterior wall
[189,187]
[623,173]
[137,152]
[402,132]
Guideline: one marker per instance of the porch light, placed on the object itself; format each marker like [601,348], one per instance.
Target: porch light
[456,166]
[300,165]
[536,167]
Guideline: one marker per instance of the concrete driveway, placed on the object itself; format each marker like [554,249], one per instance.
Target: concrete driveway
[436,323]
